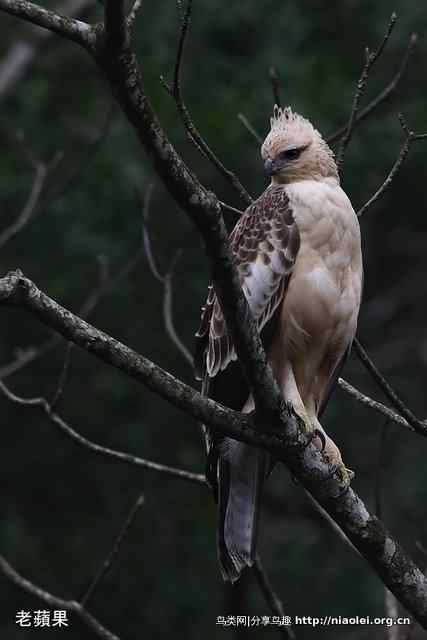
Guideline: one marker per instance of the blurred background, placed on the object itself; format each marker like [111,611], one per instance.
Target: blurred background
[62,506]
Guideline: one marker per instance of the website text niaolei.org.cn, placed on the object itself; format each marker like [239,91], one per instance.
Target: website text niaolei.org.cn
[311,621]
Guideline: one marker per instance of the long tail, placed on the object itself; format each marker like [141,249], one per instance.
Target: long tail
[241,473]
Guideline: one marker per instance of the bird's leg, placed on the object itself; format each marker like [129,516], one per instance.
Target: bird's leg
[292,396]
[331,452]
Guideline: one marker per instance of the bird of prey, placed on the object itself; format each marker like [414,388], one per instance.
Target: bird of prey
[298,255]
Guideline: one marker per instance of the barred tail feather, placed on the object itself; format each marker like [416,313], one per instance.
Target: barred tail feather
[241,473]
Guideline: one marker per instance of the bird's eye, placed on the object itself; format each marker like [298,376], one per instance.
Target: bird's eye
[290,154]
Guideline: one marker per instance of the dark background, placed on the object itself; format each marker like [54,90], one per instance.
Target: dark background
[62,506]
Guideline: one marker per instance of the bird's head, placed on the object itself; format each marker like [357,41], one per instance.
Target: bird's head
[294,150]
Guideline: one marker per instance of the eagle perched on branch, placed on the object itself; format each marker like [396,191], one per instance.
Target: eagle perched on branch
[297,251]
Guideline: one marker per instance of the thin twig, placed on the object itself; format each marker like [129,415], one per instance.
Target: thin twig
[249,127]
[227,207]
[114,551]
[375,405]
[340,533]
[418,425]
[371,58]
[166,281]
[410,138]
[40,176]
[270,595]
[275,85]
[194,134]
[127,458]
[133,14]
[55,602]
[382,95]
[59,391]
[73,180]
[168,313]
[24,357]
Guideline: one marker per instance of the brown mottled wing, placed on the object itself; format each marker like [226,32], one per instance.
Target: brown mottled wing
[264,243]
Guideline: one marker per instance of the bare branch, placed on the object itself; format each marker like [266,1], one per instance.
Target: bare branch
[418,425]
[410,138]
[53,601]
[167,283]
[105,287]
[382,96]
[254,133]
[114,551]
[270,595]
[325,515]
[24,357]
[285,441]
[275,85]
[69,28]
[73,180]
[168,314]
[24,51]
[40,175]
[194,134]
[233,210]
[371,58]
[133,14]
[43,405]
[375,405]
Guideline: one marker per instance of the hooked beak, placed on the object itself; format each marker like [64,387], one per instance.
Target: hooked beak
[270,168]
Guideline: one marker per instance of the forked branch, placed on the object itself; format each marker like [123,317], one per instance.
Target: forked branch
[371,58]
[410,138]
[53,601]
[194,134]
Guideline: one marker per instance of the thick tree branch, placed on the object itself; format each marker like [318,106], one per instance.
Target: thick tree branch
[69,28]
[53,601]
[366,532]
